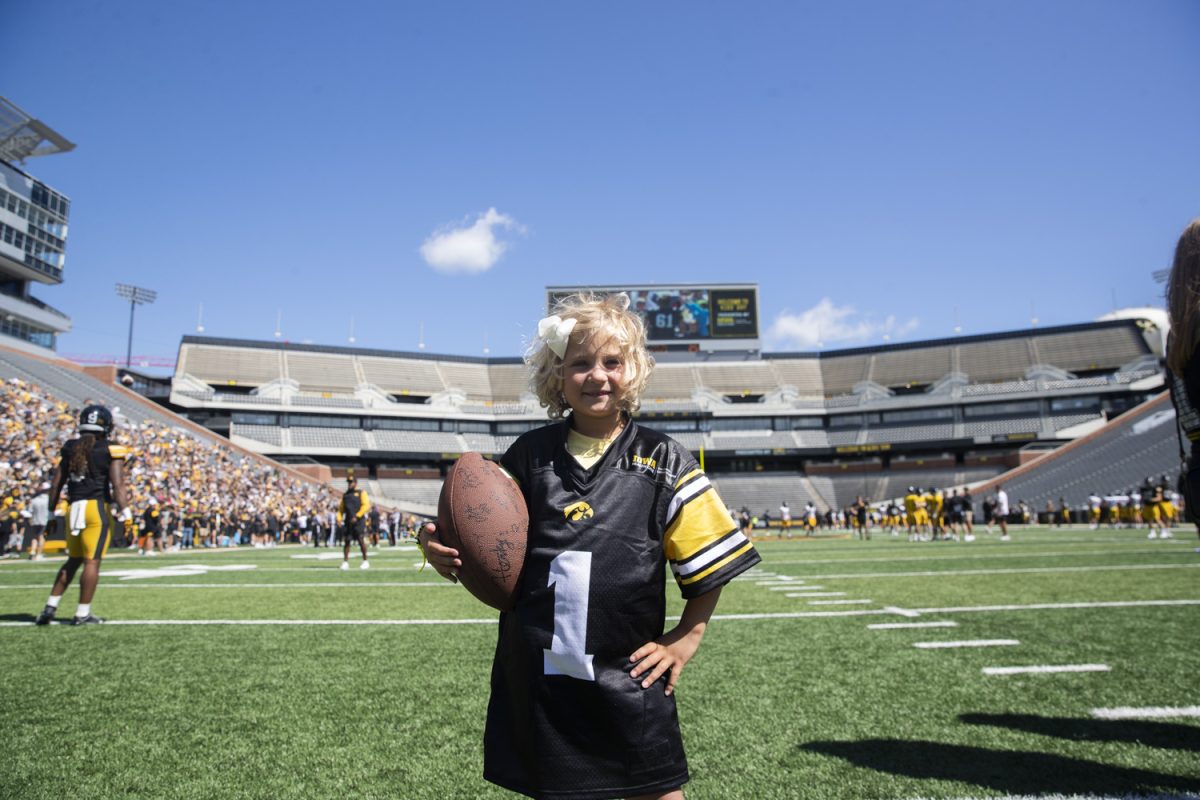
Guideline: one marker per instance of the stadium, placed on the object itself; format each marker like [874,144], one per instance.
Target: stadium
[237,659]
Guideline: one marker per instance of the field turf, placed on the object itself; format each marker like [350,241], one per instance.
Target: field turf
[272,674]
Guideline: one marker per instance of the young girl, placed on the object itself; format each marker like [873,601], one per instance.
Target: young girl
[583,679]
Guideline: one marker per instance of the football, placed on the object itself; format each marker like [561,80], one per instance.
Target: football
[482,514]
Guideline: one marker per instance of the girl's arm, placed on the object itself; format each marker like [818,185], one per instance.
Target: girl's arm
[675,648]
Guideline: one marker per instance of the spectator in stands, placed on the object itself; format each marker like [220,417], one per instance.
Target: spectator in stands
[39,509]
[1183,308]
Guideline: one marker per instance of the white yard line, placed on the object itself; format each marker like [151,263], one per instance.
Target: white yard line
[966,643]
[973,555]
[868,612]
[1041,668]
[816,594]
[1048,606]
[1151,712]
[792,587]
[888,626]
[999,571]
[838,602]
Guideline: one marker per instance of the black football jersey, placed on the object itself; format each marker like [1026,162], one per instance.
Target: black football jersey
[565,718]
[91,483]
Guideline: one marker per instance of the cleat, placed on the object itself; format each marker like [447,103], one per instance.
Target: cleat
[345,565]
[1152,535]
[90,619]
[365,565]
[47,616]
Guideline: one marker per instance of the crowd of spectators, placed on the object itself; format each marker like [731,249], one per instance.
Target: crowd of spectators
[189,491]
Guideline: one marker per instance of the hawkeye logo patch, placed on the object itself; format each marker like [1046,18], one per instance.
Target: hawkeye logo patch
[578,511]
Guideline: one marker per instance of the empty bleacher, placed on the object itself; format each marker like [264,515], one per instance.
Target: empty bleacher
[840,374]
[267,434]
[317,372]
[670,382]
[508,381]
[993,361]
[341,438]
[1105,348]
[470,378]
[755,377]
[917,366]
[802,373]
[419,491]
[761,491]
[403,376]
[418,441]
[1002,427]
[1139,443]
[244,366]
[910,433]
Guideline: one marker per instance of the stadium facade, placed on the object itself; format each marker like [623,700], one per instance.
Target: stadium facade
[800,426]
[33,233]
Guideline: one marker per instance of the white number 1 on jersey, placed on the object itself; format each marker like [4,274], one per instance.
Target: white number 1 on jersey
[571,577]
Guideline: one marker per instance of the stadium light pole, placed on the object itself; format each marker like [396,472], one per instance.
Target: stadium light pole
[136,296]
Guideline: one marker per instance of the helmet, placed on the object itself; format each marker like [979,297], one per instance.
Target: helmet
[96,419]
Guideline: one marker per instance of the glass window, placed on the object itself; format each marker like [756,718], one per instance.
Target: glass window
[1075,404]
[741,424]
[919,415]
[406,424]
[1001,409]
[667,425]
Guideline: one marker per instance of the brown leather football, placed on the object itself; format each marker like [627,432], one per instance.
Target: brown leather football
[482,514]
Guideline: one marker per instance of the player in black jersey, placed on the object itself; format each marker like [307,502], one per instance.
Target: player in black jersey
[91,470]
[582,702]
[353,510]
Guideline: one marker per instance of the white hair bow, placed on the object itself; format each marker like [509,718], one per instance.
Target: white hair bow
[555,331]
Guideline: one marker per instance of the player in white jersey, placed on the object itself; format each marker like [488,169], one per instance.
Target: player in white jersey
[1002,512]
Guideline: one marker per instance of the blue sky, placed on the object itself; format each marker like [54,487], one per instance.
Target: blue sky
[878,168]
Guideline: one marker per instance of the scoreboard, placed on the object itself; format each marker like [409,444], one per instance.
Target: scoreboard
[708,316]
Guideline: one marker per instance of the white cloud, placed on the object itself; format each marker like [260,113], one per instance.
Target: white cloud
[825,324]
[470,248]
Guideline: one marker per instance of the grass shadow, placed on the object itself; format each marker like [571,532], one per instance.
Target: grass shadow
[1170,735]
[1010,772]
[17,617]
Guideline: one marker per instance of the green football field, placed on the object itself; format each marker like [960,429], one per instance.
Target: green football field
[837,669]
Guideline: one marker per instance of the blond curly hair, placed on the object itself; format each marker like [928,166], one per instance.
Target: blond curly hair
[604,318]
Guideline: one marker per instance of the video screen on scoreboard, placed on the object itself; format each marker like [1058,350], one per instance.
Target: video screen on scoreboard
[687,313]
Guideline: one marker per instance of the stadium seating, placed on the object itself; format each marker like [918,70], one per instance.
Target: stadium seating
[323,438]
[412,491]
[920,366]
[267,434]
[316,372]
[402,375]
[419,441]
[241,365]
[761,491]
[1141,442]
